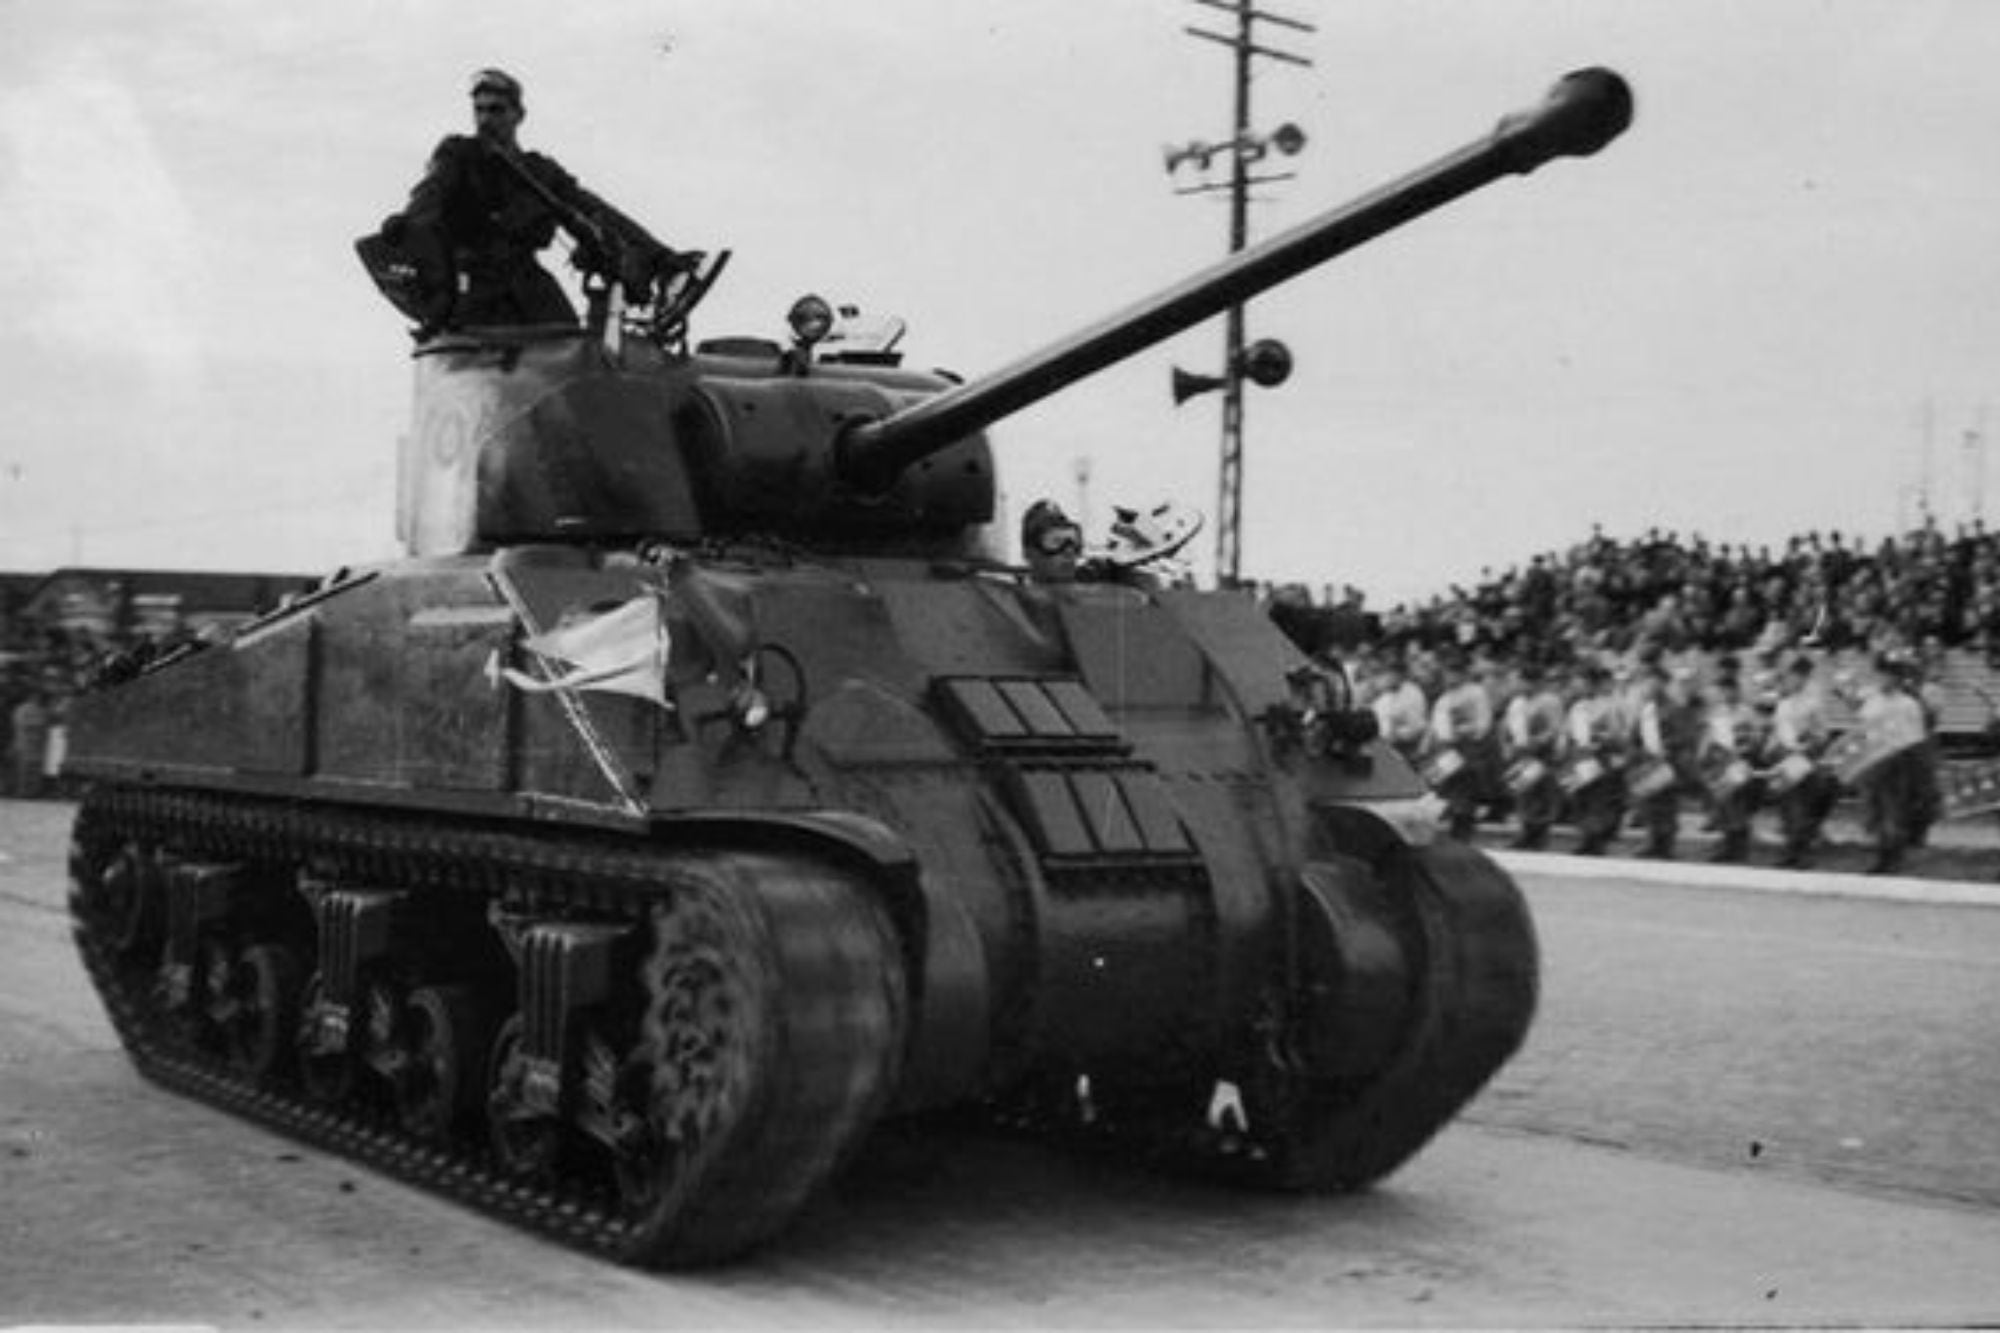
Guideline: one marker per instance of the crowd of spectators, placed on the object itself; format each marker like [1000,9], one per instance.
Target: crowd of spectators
[1664,594]
[1706,637]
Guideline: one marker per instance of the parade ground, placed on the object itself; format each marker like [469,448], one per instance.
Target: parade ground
[1750,1097]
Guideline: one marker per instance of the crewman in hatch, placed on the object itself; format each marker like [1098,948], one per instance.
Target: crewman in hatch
[485,207]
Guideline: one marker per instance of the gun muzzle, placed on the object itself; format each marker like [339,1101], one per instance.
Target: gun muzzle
[1586,110]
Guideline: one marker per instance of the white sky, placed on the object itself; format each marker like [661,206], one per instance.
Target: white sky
[1773,306]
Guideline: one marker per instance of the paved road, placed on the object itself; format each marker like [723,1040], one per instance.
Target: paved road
[1792,1030]
[1737,1107]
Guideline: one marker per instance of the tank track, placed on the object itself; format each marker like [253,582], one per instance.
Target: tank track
[1475,967]
[1473,964]
[546,871]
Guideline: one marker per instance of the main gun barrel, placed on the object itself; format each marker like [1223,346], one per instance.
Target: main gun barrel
[1583,112]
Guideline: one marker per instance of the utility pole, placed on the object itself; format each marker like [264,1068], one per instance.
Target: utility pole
[1244,150]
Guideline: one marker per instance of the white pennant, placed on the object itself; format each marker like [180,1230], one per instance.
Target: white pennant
[621,651]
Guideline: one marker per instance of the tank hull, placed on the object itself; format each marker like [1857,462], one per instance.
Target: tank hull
[391,839]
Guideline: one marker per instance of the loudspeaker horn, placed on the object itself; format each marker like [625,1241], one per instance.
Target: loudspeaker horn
[1187,384]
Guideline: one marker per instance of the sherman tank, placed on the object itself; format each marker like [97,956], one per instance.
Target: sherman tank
[700,790]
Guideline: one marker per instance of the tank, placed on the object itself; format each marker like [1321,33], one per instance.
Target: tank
[700,791]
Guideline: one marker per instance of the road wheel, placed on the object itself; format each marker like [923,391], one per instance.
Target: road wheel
[259,1023]
[445,1071]
[125,899]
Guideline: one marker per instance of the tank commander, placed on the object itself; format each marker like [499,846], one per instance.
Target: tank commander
[489,206]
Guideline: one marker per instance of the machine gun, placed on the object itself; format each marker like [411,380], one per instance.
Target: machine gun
[613,273]
[621,262]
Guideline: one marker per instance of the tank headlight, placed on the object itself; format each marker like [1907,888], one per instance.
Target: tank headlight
[811,319]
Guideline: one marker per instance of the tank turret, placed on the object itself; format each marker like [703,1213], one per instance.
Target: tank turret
[615,874]
[523,437]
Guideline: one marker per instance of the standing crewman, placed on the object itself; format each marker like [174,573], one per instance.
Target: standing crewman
[1800,786]
[490,207]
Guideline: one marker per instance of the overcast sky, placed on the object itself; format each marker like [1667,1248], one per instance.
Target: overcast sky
[1773,306]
